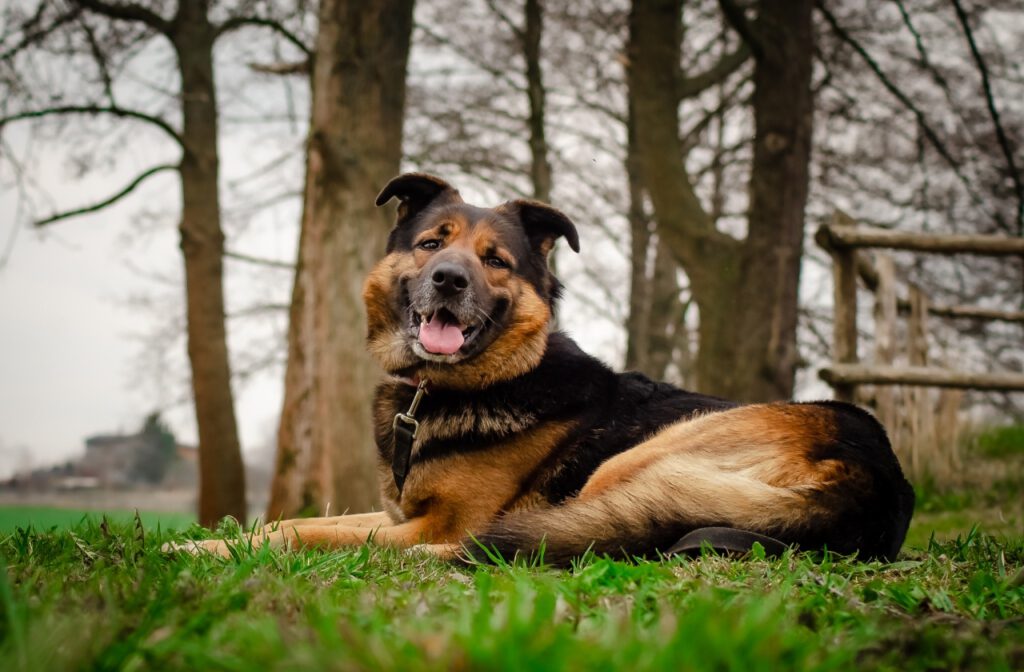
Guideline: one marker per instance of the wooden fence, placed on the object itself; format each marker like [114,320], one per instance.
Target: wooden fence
[922,415]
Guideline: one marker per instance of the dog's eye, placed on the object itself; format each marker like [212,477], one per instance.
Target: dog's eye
[495,262]
[429,244]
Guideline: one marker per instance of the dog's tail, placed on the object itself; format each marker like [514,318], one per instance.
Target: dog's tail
[647,516]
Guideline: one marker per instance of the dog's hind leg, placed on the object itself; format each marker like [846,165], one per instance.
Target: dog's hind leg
[649,513]
[817,475]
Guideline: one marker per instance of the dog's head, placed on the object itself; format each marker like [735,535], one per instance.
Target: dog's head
[464,296]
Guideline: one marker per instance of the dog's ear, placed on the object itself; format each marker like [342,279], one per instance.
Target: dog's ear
[415,191]
[543,225]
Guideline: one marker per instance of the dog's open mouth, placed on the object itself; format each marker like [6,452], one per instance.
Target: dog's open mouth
[441,333]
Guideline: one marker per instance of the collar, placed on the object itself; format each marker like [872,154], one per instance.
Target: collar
[411,381]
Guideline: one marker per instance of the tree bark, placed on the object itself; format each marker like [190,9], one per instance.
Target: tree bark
[653,287]
[325,440]
[746,292]
[540,166]
[222,477]
[709,257]
[779,176]
[638,320]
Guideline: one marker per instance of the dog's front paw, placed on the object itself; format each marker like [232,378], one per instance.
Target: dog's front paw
[198,547]
[441,551]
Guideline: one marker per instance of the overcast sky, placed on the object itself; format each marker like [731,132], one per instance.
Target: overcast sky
[81,299]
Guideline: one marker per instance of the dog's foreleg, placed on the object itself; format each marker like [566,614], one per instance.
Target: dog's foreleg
[404,535]
[376,519]
[440,551]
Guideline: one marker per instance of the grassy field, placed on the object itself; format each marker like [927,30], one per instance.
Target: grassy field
[45,518]
[78,595]
[90,598]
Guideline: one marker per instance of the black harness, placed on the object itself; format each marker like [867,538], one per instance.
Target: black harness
[404,428]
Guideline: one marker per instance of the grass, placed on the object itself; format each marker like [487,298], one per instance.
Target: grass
[1001,442]
[44,518]
[77,594]
[99,598]
[986,492]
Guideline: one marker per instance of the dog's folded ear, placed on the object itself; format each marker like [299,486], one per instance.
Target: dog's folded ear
[415,191]
[544,224]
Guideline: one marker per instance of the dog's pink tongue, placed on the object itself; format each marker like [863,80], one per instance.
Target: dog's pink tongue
[440,337]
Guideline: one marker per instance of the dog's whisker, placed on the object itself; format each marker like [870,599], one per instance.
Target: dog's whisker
[482,313]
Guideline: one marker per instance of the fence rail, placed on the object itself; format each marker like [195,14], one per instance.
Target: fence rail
[920,376]
[841,239]
[840,236]
[922,422]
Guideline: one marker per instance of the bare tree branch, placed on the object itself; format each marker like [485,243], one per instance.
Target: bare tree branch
[32,34]
[100,58]
[259,261]
[506,19]
[96,109]
[297,68]
[1004,142]
[236,22]
[129,11]
[107,201]
[690,137]
[922,121]
[499,74]
[258,310]
[728,64]
[737,18]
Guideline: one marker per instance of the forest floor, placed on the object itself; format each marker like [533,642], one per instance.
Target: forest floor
[82,594]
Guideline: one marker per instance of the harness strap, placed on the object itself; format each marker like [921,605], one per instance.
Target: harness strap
[404,429]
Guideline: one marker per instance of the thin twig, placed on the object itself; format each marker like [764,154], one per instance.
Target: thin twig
[1004,142]
[236,22]
[259,261]
[128,11]
[108,201]
[922,121]
[96,109]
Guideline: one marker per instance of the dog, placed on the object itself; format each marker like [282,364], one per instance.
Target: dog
[496,432]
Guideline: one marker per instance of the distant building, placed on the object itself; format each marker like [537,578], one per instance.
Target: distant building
[111,458]
[118,461]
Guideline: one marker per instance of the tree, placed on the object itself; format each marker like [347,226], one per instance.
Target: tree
[530,36]
[325,440]
[746,290]
[101,31]
[656,327]
[158,451]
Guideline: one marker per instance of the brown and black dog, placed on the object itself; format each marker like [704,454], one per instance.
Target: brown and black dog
[521,441]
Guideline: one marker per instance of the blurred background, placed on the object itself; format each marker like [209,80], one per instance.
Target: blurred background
[187,195]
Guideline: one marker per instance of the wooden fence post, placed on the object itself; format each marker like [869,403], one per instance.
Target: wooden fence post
[885,337]
[844,281]
[919,412]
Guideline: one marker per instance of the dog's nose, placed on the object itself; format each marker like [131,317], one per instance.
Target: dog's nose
[449,279]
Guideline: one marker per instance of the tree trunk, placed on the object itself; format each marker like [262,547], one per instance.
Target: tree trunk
[769,292]
[540,167]
[325,442]
[710,258]
[745,292]
[653,287]
[222,477]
